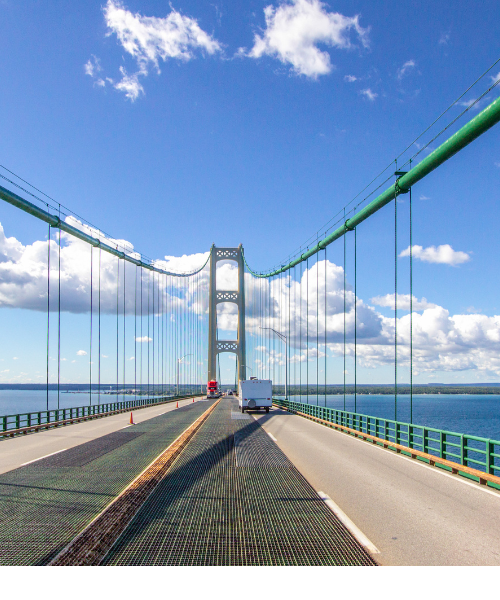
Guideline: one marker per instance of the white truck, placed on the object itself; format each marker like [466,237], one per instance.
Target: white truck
[255,394]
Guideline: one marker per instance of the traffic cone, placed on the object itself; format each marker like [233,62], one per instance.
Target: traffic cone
[193,399]
[131,419]
[177,404]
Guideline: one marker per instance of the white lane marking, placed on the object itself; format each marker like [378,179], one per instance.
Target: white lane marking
[127,426]
[437,470]
[46,456]
[356,532]
[415,461]
[271,436]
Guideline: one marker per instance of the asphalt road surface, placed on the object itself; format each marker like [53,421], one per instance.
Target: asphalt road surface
[413,513]
[17,451]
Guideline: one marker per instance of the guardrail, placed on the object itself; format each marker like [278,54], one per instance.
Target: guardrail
[472,452]
[11,425]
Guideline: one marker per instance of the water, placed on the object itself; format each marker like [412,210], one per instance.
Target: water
[474,414]
[13,402]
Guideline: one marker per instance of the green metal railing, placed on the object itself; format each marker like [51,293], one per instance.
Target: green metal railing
[44,417]
[467,450]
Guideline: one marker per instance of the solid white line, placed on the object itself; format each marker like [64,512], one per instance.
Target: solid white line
[414,461]
[46,456]
[356,532]
[127,426]
[271,436]
[437,470]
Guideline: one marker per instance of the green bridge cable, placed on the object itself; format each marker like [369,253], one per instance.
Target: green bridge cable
[355,320]
[59,326]
[411,313]
[326,322]
[48,313]
[91,314]
[481,123]
[395,305]
[344,313]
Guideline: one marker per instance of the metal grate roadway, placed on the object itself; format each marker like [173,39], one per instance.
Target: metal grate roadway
[44,505]
[233,498]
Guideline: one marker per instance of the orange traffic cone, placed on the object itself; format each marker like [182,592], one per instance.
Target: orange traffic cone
[131,419]
[177,405]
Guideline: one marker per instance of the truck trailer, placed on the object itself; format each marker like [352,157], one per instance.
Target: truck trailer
[255,394]
[213,390]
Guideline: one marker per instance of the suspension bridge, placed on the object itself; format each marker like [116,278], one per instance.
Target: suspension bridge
[151,471]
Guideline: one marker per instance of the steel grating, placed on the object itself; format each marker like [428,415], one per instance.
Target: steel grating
[233,498]
[44,505]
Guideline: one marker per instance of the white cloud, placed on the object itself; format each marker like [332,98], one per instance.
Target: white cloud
[496,77]
[129,84]
[350,78]
[23,275]
[295,28]
[81,353]
[144,339]
[15,358]
[403,302]
[422,197]
[404,70]
[92,66]
[369,94]
[151,39]
[445,38]
[443,254]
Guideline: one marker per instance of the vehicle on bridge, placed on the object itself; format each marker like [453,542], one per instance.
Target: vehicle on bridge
[213,390]
[255,394]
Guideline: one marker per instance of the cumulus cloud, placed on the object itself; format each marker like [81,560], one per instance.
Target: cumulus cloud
[150,40]
[443,254]
[369,94]
[144,339]
[406,68]
[23,276]
[81,353]
[403,302]
[295,28]
[496,77]
[129,85]
[350,78]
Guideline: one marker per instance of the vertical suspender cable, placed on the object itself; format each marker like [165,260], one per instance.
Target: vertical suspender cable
[124,322]
[142,318]
[153,388]
[344,307]
[99,342]
[307,330]
[91,314]
[300,332]
[59,322]
[135,335]
[395,307]
[326,323]
[48,312]
[411,313]
[149,338]
[355,322]
[317,328]
[117,322]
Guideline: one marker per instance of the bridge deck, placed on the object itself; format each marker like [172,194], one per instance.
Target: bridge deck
[44,505]
[233,498]
[230,498]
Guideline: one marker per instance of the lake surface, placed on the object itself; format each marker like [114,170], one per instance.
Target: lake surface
[473,414]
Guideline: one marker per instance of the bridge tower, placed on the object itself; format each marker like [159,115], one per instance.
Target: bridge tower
[216,296]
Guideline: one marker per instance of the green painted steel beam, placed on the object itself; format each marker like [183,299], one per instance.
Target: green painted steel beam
[469,132]
[56,222]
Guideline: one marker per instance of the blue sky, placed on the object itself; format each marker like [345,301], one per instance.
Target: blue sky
[231,129]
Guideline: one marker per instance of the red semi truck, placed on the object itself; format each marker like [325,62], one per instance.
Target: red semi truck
[213,389]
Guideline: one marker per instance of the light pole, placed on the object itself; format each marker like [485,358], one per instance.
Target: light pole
[247,367]
[282,337]
[179,360]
